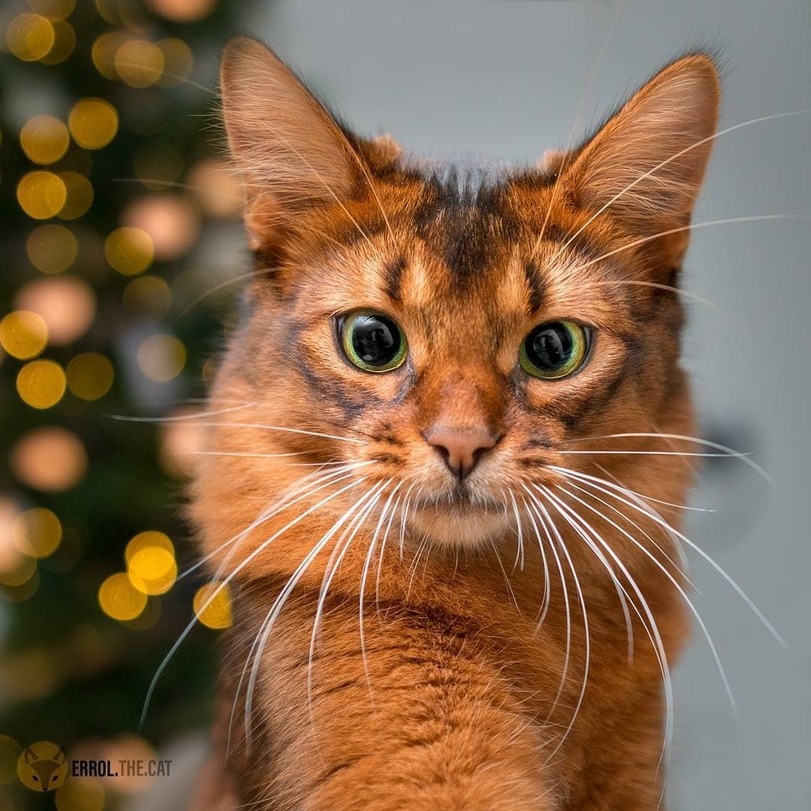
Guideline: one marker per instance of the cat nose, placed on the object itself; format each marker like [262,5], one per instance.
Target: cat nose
[460,448]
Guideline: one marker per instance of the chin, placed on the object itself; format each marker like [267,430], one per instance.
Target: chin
[459,528]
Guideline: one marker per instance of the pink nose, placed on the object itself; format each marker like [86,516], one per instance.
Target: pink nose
[461,448]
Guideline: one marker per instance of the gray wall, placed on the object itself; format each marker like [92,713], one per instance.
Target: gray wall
[507,79]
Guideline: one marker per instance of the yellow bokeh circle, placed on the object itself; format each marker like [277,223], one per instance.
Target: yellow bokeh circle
[41,194]
[212,605]
[139,62]
[40,532]
[44,139]
[93,123]
[90,376]
[23,334]
[30,37]
[52,248]
[79,195]
[152,570]
[119,599]
[129,250]
[41,383]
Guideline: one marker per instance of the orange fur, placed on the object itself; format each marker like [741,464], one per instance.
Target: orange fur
[437,686]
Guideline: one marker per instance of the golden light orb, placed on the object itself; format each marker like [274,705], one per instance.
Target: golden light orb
[41,194]
[52,248]
[79,196]
[119,599]
[41,383]
[12,545]
[178,62]
[216,187]
[64,43]
[139,62]
[104,50]
[44,139]
[53,9]
[93,123]
[216,613]
[50,459]
[129,250]
[23,334]
[66,303]
[148,295]
[149,539]
[161,357]
[90,376]
[152,570]
[171,220]
[80,794]
[40,532]
[30,37]
[24,570]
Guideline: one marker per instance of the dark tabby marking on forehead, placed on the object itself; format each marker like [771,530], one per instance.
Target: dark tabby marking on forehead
[455,579]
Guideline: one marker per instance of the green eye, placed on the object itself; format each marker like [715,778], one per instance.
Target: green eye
[373,342]
[554,350]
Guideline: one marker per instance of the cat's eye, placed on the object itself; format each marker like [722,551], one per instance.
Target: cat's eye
[372,341]
[555,349]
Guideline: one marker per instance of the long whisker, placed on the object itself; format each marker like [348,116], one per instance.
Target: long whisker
[216,591]
[281,428]
[547,585]
[726,451]
[182,417]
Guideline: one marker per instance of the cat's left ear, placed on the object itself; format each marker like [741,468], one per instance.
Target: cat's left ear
[645,166]
[290,150]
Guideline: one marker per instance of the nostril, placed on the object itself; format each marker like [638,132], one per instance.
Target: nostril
[460,448]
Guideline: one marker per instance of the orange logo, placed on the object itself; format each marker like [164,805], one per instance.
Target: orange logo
[42,766]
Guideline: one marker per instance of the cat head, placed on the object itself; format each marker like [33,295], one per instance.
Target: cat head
[451,337]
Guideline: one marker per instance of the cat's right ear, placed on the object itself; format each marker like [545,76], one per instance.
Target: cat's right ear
[290,151]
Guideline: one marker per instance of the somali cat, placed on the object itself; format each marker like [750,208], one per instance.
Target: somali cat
[443,462]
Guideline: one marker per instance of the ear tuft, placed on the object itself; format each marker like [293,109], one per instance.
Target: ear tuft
[645,166]
[286,144]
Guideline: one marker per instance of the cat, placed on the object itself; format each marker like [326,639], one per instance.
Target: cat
[444,461]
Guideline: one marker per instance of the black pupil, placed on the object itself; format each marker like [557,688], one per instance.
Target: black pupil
[550,347]
[375,339]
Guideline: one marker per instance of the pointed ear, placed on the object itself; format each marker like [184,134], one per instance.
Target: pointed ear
[646,164]
[290,151]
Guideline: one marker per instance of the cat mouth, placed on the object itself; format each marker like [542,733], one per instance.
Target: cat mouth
[459,500]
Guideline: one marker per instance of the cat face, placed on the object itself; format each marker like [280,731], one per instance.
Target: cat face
[452,338]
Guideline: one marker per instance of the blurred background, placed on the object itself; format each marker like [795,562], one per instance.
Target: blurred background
[120,260]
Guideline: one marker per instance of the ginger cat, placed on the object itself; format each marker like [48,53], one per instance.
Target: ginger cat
[436,481]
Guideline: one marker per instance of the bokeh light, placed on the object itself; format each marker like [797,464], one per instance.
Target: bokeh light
[39,532]
[50,459]
[217,614]
[139,62]
[129,250]
[79,196]
[53,9]
[41,383]
[216,187]
[151,564]
[182,11]
[44,139]
[64,43]
[119,599]
[80,794]
[90,376]
[178,62]
[93,123]
[147,296]
[52,248]
[23,334]
[66,303]
[21,573]
[104,51]
[181,439]
[161,357]
[30,36]
[11,550]
[170,220]
[41,194]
